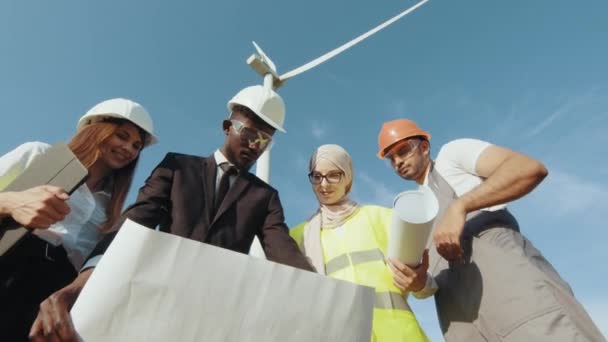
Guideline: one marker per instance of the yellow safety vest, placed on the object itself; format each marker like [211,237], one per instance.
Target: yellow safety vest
[355,252]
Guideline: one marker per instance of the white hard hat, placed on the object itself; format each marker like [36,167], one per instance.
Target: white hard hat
[121,109]
[265,103]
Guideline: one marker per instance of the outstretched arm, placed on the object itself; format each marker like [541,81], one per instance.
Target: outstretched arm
[54,322]
[275,239]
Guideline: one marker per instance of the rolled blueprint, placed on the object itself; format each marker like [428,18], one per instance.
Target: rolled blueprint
[413,216]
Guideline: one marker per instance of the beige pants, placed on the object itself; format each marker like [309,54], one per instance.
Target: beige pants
[508,292]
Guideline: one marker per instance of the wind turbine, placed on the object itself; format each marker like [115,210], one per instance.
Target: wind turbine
[264,66]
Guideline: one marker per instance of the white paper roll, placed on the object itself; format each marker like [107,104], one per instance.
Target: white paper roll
[413,216]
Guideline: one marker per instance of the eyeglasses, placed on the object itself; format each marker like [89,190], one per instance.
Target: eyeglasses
[332,177]
[403,149]
[251,136]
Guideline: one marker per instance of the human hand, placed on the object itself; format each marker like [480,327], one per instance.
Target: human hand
[448,231]
[38,207]
[407,278]
[53,322]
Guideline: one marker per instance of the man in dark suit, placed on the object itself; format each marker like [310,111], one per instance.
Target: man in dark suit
[209,199]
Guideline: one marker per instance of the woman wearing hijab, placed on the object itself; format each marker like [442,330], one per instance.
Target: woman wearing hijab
[65,229]
[348,241]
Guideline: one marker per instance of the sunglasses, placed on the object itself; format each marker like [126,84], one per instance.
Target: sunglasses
[251,136]
[332,178]
[403,149]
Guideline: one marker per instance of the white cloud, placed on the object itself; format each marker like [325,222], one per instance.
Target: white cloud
[318,130]
[570,107]
[547,121]
[602,171]
[301,162]
[540,127]
[566,194]
[374,191]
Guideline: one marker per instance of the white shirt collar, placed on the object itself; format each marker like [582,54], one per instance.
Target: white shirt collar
[220,158]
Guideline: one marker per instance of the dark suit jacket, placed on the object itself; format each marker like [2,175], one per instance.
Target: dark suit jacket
[179,196]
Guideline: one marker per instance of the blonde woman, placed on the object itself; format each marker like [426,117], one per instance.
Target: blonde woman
[65,229]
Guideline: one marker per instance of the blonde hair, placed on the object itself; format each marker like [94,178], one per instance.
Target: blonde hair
[85,145]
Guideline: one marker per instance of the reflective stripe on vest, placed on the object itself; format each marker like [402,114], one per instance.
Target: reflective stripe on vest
[390,300]
[341,261]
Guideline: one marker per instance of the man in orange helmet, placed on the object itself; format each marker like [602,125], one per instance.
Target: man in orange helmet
[489,282]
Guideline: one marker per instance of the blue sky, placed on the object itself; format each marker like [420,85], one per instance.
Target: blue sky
[528,75]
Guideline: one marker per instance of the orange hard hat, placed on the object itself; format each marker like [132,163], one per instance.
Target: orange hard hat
[397,130]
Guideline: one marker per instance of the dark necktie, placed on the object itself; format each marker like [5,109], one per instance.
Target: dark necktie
[224,185]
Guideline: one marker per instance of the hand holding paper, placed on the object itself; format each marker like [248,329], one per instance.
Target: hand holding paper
[38,207]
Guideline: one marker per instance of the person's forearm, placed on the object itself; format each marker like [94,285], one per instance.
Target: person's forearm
[5,204]
[514,178]
[77,284]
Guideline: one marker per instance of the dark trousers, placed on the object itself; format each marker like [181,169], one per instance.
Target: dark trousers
[28,275]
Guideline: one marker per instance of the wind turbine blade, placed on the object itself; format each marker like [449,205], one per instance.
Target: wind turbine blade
[265,57]
[349,44]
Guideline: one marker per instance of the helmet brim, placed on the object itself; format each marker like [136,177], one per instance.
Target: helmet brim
[151,139]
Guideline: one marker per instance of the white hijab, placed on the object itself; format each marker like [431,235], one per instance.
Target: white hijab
[328,216]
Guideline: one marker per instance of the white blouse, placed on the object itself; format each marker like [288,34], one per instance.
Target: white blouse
[79,232]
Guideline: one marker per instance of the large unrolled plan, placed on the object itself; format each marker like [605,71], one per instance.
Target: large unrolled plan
[413,216]
[156,287]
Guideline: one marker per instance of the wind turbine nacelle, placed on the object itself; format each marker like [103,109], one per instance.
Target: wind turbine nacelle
[262,68]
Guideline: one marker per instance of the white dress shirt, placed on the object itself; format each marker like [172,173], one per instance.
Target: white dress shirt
[219,159]
[79,232]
